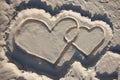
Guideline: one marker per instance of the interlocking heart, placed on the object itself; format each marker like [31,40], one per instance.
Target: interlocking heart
[49,37]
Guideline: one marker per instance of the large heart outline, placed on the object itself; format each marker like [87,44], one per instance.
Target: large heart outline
[49,30]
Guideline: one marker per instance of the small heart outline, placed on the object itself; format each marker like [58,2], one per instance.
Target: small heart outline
[89,30]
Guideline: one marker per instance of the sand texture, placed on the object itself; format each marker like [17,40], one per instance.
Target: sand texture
[60,40]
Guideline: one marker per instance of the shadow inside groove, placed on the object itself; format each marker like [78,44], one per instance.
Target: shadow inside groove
[115,49]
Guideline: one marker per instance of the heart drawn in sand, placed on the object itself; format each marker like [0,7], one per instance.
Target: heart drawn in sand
[49,37]
[37,38]
[88,39]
